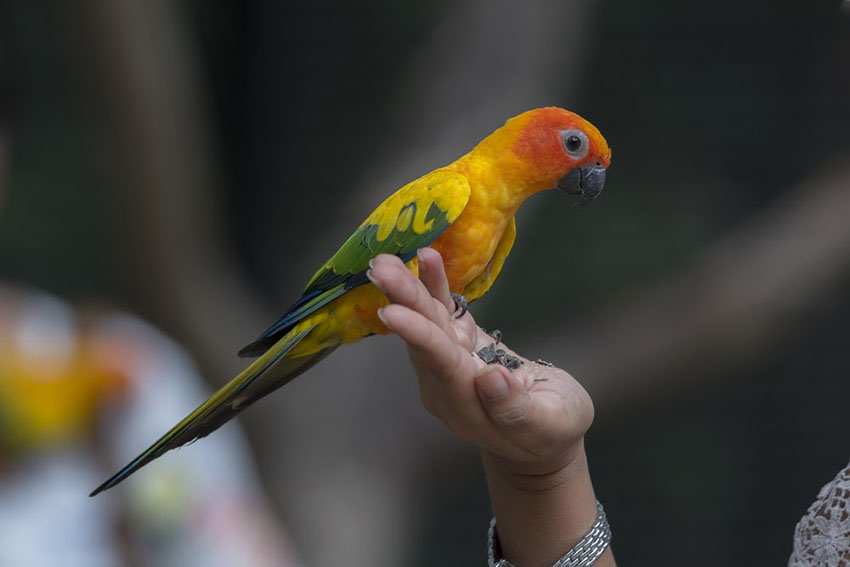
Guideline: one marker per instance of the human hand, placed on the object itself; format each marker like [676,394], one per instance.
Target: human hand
[529,422]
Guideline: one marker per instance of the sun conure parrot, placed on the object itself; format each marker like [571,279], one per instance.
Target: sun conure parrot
[464,210]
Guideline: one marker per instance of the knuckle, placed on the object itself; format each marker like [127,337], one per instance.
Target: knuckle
[399,284]
[388,259]
[423,300]
[385,274]
[438,305]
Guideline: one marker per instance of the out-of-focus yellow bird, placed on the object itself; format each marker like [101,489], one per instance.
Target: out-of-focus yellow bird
[464,210]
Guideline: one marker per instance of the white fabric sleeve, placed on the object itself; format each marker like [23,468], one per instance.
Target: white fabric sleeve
[822,536]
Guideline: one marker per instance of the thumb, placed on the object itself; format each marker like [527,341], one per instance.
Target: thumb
[503,396]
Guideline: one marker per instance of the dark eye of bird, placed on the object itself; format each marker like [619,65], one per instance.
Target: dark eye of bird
[573,143]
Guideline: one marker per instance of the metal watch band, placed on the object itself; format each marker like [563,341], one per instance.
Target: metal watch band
[583,554]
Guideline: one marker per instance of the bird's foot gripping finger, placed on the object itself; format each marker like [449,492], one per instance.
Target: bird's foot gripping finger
[461,305]
[492,355]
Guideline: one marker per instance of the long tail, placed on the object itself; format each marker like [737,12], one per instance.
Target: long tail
[269,372]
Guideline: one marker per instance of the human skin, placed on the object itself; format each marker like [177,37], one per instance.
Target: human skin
[528,423]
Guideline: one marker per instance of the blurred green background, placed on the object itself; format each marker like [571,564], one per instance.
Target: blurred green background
[194,162]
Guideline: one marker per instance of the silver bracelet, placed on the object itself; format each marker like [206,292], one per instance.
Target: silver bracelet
[584,554]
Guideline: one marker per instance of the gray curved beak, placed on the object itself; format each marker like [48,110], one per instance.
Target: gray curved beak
[587,181]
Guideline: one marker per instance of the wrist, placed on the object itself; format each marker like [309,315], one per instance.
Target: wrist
[595,545]
[540,514]
[539,475]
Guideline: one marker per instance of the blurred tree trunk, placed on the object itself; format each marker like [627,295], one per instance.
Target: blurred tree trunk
[162,154]
[176,260]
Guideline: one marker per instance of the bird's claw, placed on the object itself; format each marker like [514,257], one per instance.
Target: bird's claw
[461,305]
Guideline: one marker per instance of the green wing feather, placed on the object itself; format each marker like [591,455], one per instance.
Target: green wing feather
[411,218]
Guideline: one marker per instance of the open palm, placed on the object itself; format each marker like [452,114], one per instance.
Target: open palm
[531,419]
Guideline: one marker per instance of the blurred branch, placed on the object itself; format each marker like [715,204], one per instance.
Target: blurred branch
[747,293]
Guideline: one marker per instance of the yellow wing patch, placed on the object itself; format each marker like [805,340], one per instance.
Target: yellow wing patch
[412,217]
[447,190]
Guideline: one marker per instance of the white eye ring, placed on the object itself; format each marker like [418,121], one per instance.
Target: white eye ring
[575,143]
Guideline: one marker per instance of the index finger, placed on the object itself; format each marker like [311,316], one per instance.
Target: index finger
[426,342]
[392,277]
[432,272]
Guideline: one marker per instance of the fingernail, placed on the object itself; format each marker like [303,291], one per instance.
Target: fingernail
[371,277]
[381,315]
[493,385]
[370,263]
[419,257]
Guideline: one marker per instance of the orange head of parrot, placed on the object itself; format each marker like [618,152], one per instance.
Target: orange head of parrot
[554,148]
